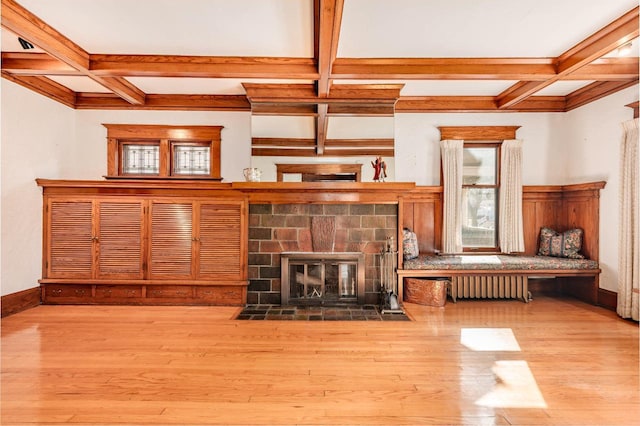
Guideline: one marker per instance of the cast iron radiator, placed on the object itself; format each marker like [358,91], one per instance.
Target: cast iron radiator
[490,287]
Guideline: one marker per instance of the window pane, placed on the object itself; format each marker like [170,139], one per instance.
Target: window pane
[140,159]
[479,166]
[191,160]
[479,206]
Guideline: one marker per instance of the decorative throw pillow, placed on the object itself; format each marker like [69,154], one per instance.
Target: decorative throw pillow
[409,244]
[565,244]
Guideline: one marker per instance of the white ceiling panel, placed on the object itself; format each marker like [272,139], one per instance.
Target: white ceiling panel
[80,84]
[10,43]
[183,27]
[471,28]
[562,88]
[201,86]
[442,87]
[282,127]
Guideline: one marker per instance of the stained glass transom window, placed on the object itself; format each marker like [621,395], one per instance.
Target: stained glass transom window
[141,159]
[191,160]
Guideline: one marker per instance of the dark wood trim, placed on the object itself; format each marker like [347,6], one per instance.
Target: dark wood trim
[608,299]
[595,91]
[635,105]
[45,87]
[478,133]
[20,301]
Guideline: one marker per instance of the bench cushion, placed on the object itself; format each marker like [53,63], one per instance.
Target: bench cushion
[497,262]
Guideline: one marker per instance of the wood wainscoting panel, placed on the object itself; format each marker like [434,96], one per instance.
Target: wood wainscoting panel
[19,301]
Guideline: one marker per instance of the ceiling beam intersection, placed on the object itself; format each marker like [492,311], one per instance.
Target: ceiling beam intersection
[28,26]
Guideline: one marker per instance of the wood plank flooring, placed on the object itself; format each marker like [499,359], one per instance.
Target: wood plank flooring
[549,362]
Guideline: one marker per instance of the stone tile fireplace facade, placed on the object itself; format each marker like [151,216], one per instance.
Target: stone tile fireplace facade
[278,228]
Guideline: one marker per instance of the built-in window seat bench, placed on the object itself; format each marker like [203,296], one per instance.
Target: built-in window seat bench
[559,207]
[496,276]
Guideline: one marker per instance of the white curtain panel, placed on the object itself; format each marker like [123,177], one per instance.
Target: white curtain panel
[451,151]
[510,226]
[629,221]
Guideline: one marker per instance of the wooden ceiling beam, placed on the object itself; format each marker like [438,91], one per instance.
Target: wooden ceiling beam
[203,66]
[617,33]
[444,68]
[18,63]
[165,102]
[28,26]
[322,124]
[607,69]
[328,25]
[595,91]
[328,19]
[290,142]
[45,87]
[609,38]
[407,104]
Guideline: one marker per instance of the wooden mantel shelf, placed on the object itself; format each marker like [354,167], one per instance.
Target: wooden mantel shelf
[256,192]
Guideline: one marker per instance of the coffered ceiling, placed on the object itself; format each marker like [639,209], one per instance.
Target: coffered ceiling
[322,58]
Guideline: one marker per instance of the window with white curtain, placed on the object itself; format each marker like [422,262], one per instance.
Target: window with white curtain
[480,196]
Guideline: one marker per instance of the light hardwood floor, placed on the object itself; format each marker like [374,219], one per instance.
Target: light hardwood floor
[549,362]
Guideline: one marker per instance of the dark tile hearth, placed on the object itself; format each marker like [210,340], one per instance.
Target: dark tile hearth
[318,313]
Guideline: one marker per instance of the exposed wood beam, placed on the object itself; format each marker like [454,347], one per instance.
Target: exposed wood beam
[283,109]
[620,31]
[360,143]
[329,143]
[383,152]
[595,91]
[28,26]
[18,63]
[330,19]
[203,66]
[165,102]
[475,104]
[538,69]
[357,94]
[290,142]
[322,124]
[607,69]
[612,36]
[281,152]
[45,87]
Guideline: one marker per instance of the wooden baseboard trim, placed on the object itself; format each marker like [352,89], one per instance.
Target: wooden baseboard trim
[20,301]
[608,299]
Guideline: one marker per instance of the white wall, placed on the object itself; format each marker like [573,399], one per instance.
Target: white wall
[418,150]
[42,138]
[592,136]
[92,143]
[37,141]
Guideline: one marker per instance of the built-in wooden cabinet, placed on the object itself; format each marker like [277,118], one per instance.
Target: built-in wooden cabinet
[141,243]
[94,238]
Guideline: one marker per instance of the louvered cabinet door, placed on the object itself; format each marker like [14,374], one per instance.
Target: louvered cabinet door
[171,240]
[69,242]
[220,241]
[120,238]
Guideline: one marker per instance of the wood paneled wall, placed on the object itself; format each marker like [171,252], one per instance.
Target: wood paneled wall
[560,207]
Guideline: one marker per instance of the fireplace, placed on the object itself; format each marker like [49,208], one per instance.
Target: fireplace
[316,230]
[315,278]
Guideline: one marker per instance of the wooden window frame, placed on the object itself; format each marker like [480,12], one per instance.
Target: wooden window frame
[498,146]
[481,135]
[166,137]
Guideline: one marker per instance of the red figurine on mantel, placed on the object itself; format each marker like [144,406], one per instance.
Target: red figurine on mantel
[380,170]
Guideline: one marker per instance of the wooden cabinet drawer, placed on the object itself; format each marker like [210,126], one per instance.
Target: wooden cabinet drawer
[118,291]
[220,295]
[169,291]
[67,291]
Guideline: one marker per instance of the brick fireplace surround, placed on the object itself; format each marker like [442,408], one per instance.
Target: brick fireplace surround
[277,228]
